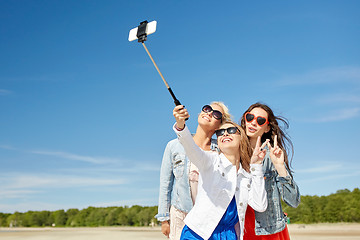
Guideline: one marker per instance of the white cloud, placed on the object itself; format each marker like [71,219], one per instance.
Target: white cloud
[14,185]
[15,193]
[8,147]
[119,165]
[321,76]
[330,177]
[340,98]
[321,169]
[131,202]
[71,156]
[4,92]
[66,155]
[30,206]
[334,116]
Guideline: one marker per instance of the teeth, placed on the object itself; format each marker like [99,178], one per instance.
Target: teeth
[252,130]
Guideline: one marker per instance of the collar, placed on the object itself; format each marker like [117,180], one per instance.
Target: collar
[225,162]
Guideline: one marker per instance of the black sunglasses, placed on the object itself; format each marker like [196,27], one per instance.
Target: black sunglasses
[216,114]
[249,117]
[229,130]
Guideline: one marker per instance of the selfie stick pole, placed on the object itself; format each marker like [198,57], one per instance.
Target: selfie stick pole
[142,36]
[176,101]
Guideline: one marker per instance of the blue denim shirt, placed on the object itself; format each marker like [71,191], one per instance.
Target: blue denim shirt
[273,220]
[174,180]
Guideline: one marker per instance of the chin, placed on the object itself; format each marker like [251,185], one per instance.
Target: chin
[228,146]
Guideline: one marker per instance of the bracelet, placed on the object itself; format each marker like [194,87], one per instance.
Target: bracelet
[179,129]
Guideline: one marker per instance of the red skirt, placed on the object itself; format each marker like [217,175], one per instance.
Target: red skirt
[249,233]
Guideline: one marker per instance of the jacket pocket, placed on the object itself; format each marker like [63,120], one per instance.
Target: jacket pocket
[179,165]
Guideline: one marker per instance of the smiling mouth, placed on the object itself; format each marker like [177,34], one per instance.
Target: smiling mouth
[226,140]
[206,118]
[252,130]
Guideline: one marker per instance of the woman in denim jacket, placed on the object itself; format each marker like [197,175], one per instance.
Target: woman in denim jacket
[178,177]
[259,120]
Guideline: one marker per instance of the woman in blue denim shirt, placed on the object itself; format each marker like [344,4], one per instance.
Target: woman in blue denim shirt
[178,178]
[259,120]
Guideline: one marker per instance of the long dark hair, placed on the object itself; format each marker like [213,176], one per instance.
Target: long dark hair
[283,139]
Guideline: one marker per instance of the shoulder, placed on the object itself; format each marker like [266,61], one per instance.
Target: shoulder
[174,142]
[174,145]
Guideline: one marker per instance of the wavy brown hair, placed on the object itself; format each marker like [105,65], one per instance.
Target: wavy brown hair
[244,148]
[284,141]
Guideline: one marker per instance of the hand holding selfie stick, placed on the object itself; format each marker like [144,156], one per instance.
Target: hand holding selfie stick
[141,33]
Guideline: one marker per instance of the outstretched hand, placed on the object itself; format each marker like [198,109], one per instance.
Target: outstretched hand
[181,114]
[277,158]
[276,153]
[259,152]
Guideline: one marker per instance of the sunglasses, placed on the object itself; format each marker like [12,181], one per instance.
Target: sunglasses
[230,130]
[249,117]
[215,113]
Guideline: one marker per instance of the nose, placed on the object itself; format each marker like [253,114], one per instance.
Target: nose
[253,122]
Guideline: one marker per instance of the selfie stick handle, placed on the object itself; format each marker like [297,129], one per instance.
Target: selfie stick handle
[176,101]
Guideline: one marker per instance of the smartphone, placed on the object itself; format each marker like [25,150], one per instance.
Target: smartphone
[150,28]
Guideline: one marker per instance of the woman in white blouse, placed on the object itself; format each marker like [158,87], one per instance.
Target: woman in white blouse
[225,188]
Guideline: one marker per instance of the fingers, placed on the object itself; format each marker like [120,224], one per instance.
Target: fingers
[258,141]
[178,107]
[180,112]
[277,151]
[264,144]
[165,228]
[275,142]
[259,152]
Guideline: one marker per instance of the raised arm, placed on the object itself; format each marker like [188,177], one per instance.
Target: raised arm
[196,155]
[288,189]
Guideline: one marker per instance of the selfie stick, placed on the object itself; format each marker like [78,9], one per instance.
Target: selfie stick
[142,37]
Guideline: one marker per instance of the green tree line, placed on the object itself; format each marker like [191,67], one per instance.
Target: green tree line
[343,206]
[89,217]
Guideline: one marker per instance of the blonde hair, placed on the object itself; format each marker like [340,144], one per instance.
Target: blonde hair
[244,148]
[226,115]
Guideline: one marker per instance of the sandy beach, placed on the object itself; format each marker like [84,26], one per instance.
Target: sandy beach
[339,231]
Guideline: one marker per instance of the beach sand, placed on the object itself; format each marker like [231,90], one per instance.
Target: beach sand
[339,231]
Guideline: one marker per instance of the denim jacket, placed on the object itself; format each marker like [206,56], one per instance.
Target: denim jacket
[174,180]
[273,220]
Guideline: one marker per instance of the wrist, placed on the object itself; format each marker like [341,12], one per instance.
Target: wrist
[280,168]
[179,128]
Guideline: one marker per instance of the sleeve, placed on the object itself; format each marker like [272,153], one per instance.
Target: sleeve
[257,193]
[166,185]
[289,190]
[200,158]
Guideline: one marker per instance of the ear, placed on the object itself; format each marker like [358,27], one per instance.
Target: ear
[267,128]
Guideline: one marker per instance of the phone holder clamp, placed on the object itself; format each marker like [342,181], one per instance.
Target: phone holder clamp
[141,33]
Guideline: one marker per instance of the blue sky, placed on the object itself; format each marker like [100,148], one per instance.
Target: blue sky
[85,117]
